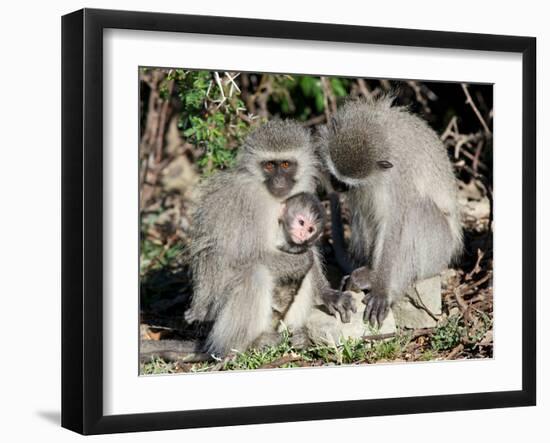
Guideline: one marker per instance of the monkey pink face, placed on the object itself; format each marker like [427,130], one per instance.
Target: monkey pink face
[303,228]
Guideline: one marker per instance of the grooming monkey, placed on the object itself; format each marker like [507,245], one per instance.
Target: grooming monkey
[235,260]
[404,213]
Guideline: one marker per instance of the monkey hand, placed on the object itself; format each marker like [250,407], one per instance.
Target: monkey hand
[341,302]
[377,308]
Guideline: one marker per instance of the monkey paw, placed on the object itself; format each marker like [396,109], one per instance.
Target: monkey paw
[267,339]
[377,308]
[192,315]
[358,281]
[300,339]
[341,302]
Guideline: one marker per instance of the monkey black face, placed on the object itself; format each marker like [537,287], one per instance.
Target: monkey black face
[279,176]
[351,165]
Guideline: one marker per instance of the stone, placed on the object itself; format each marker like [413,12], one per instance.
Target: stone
[416,310]
[325,329]
[421,306]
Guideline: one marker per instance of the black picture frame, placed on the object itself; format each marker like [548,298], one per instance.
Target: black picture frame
[82,219]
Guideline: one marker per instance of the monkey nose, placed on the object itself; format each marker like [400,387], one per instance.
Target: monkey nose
[299,236]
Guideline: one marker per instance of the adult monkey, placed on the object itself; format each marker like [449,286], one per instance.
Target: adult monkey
[405,222]
[235,259]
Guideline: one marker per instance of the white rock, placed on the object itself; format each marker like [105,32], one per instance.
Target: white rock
[413,310]
[410,312]
[325,329]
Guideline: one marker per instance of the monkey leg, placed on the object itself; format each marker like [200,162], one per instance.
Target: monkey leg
[246,313]
[300,308]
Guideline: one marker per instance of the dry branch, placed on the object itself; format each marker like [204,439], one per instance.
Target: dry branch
[470,101]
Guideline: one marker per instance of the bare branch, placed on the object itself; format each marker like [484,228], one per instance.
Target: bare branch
[474,107]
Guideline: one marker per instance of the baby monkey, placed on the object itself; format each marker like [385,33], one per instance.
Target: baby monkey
[301,223]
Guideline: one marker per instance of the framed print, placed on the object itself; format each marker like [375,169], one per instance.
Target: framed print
[270,221]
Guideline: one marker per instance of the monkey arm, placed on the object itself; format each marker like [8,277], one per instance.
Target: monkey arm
[417,244]
[289,266]
[335,301]
[392,268]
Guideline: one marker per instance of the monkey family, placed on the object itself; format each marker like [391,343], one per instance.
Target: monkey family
[255,264]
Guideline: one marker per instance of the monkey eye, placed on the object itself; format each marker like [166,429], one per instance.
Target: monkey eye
[311,229]
[384,164]
[285,165]
[269,166]
[301,222]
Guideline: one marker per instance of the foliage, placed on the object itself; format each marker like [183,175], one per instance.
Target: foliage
[448,335]
[157,366]
[303,96]
[209,117]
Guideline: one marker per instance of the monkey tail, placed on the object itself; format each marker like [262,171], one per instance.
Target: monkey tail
[342,257]
[172,350]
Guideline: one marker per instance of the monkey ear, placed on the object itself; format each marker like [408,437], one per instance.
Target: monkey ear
[384,164]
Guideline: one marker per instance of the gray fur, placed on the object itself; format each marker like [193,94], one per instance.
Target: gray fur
[405,219]
[234,257]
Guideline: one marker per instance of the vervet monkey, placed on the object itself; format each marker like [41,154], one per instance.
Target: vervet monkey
[235,260]
[405,222]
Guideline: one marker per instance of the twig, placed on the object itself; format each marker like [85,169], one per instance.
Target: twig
[415,334]
[318,119]
[419,304]
[330,101]
[418,94]
[455,352]
[281,361]
[461,303]
[474,107]
[476,161]
[163,118]
[232,80]
[363,87]
[450,130]
[477,268]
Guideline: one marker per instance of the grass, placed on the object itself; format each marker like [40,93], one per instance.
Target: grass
[157,366]
[284,355]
